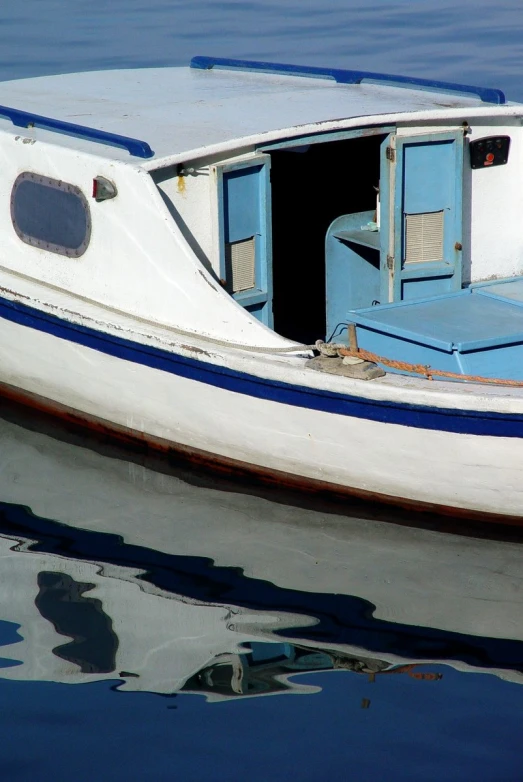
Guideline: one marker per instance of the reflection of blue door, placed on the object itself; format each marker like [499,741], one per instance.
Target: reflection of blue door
[421,208]
[245,234]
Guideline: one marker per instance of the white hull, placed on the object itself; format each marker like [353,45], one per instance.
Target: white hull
[424,466]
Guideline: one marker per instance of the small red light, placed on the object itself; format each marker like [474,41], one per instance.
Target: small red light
[95,188]
[489,158]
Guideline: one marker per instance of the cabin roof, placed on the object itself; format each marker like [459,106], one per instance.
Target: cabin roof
[186,111]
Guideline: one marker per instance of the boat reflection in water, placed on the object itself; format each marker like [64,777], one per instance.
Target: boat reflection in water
[83,622]
[266,669]
[151,588]
[114,571]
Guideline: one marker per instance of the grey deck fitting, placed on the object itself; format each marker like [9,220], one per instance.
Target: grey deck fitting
[365,370]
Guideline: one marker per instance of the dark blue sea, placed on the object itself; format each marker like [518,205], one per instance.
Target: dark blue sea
[160,624]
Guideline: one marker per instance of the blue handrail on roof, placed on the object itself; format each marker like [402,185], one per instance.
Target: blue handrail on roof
[25,119]
[486,94]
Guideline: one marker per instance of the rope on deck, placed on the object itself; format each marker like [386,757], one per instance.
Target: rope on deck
[422,369]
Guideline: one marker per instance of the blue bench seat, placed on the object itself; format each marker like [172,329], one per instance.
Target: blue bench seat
[476,331]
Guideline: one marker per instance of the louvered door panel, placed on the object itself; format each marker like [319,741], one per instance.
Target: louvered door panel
[240,261]
[424,237]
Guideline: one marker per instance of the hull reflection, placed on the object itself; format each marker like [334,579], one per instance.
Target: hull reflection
[114,571]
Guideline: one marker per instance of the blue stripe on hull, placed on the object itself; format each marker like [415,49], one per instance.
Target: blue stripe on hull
[418,416]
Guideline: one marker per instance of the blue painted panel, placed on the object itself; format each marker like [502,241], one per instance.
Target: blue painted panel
[461,320]
[242,203]
[417,288]
[245,212]
[463,333]
[420,271]
[352,269]
[511,290]
[400,349]
[410,322]
[250,298]
[504,362]
[258,310]
[428,176]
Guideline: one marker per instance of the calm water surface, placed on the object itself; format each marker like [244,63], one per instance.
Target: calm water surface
[154,626]
[159,624]
[478,42]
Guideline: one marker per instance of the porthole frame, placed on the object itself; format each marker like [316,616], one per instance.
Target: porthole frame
[57,184]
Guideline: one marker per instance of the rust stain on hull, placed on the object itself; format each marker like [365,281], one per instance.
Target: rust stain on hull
[178,455]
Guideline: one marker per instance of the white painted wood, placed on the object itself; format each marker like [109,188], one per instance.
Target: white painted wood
[494,209]
[138,261]
[189,199]
[180,109]
[150,274]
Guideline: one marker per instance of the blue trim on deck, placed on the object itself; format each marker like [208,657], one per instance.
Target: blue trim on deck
[342,76]
[418,416]
[26,119]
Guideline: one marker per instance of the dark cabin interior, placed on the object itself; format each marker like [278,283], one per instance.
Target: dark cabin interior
[311,186]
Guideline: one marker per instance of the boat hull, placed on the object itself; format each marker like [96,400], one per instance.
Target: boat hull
[462,463]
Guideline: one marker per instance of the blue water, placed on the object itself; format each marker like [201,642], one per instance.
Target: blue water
[473,41]
[335,689]
[450,725]
[94,732]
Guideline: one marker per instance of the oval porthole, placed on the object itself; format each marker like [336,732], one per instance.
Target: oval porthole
[50,214]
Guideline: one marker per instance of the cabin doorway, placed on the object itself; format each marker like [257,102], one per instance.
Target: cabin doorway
[311,187]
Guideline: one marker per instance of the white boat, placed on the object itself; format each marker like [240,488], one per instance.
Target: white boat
[175,241]
[119,572]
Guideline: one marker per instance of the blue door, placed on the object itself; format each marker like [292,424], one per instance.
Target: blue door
[421,215]
[244,205]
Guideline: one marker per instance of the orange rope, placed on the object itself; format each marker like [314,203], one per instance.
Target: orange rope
[426,370]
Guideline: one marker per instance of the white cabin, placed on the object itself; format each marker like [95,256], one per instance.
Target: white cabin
[233,193]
